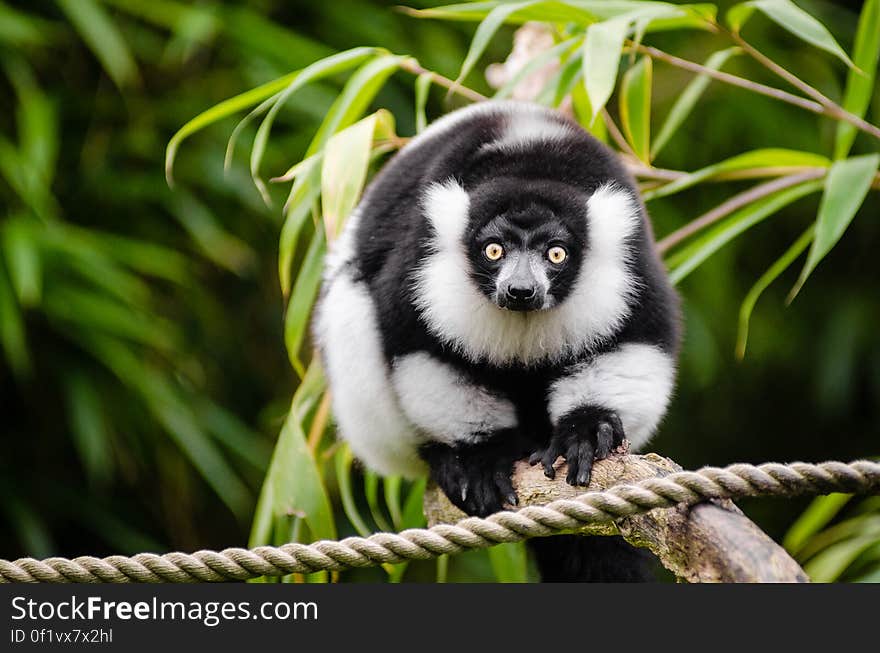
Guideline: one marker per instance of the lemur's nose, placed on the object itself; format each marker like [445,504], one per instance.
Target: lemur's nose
[521,293]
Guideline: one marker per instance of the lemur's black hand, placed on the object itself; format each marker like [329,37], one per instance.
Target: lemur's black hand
[475,478]
[581,437]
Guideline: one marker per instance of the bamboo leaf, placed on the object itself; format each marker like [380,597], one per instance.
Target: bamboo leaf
[782,160]
[332,65]
[12,332]
[171,410]
[392,485]
[305,290]
[20,248]
[485,31]
[828,565]
[635,107]
[303,194]
[581,12]
[509,562]
[846,186]
[691,257]
[343,462]
[102,37]
[688,99]
[220,111]
[817,515]
[860,83]
[88,425]
[356,96]
[371,491]
[344,171]
[789,16]
[533,65]
[748,305]
[293,484]
[423,86]
[600,59]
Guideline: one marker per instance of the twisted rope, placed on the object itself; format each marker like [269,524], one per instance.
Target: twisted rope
[735,481]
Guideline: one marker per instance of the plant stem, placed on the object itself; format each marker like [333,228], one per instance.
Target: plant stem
[413,66]
[615,133]
[734,203]
[733,80]
[831,108]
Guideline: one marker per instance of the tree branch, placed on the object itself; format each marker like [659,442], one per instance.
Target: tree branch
[734,203]
[709,542]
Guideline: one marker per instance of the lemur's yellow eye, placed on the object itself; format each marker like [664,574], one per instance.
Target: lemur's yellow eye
[493,251]
[557,254]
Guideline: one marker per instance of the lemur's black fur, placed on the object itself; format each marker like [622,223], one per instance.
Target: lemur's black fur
[533,182]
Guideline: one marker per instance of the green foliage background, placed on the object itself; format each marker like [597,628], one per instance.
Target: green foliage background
[145,378]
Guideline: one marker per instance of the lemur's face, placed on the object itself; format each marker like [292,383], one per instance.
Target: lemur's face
[525,260]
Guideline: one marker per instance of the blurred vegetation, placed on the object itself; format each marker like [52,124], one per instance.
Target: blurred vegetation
[150,354]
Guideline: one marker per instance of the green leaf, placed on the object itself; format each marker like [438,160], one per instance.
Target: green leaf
[12,333]
[171,410]
[860,83]
[526,11]
[37,121]
[303,193]
[20,248]
[332,65]
[344,171]
[694,255]
[781,160]
[102,37]
[343,462]
[423,86]
[533,65]
[789,16]
[509,562]
[293,484]
[88,425]
[582,12]
[600,59]
[635,107]
[413,515]
[485,31]
[748,305]
[688,99]
[356,96]
[215,243]
[817,515]
[846,186]
[392,487]
[220,111]
[828,565]
[371,491]
[305,291]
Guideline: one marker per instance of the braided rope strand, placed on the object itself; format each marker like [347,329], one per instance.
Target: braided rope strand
[236,564]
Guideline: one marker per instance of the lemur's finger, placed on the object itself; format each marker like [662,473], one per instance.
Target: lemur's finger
[604,440]
[585,469]
[505,487]
[547,461]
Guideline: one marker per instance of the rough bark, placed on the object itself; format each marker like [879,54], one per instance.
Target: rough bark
[709,542]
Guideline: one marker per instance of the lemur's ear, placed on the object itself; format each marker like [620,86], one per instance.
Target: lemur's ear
[446,206]
[612,218]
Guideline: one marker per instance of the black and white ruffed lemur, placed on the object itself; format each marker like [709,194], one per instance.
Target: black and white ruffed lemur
[497,296]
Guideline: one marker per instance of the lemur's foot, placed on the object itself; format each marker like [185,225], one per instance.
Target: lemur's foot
[473,478]
[581,437]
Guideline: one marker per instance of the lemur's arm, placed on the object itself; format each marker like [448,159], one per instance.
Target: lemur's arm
[470,433]
[594,405]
